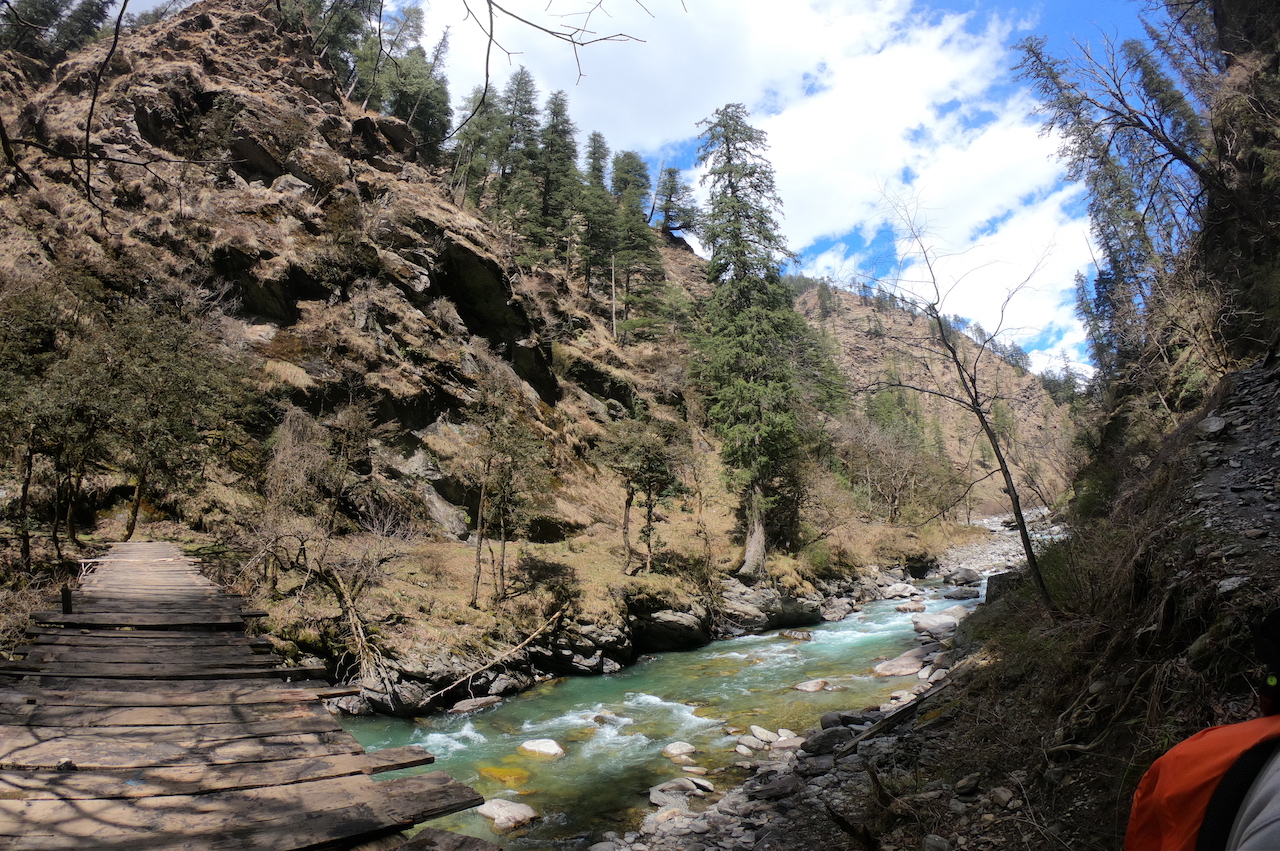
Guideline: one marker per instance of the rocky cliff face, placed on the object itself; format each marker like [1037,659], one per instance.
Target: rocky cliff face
[227,165]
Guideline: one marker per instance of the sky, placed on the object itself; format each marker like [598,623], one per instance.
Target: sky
[884,117]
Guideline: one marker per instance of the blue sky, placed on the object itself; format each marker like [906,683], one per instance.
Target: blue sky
[879,112]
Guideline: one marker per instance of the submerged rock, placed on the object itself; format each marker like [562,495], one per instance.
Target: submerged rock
[507,815]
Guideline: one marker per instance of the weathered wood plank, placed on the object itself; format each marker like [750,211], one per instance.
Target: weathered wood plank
[92,754]
[176,693]
[222,657]
[211,819]
[156,716]
[199,779]
[104,670]
[201,734]
[141,620]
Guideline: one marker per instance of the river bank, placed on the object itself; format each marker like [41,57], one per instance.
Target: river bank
[614,728]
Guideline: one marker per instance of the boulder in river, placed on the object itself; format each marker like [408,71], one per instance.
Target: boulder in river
[964,576]
[910,607]
[965,593]
[905,665]
[810,685]
[669,629]
[678,749]
[937,626]
[507,815]
[899,590]
[542,748]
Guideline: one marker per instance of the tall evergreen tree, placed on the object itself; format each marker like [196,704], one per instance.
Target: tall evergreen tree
[750,328]
[675,203]
[557,168]
[514,144]
[597,159]
[630,173]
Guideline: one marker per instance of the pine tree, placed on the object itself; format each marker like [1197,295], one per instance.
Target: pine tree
[81,24]
[751,327]
[514,143]
[675,203]
[630,174]
[597,159]
[557,169]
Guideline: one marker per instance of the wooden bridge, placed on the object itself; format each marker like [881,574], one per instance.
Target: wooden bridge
[142,717]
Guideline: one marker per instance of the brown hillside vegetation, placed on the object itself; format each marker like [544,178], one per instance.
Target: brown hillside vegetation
[878,344]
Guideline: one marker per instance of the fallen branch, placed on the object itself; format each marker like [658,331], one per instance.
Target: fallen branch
[489,665]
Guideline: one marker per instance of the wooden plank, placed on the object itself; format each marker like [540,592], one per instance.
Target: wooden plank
[209,818]
[157,638]
[199,734]
[52,637]
[141,620]
[155,672]
[178,694]
[198,779]
[90,754]
[222,657]
[156,716]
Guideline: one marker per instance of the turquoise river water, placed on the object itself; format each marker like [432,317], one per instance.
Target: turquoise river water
[614,727]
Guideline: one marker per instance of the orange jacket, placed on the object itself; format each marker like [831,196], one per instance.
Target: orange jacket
[1173,798]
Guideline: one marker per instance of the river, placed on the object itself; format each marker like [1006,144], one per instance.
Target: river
[614,727]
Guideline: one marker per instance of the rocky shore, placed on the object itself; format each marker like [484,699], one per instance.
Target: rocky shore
[583,648]
[810,790]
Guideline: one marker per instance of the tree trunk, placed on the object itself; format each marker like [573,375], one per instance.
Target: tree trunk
[137,504]
[1028,550]
[753,555]
[626,528]
[648,531]
[73,498]
[475,580]
[24,502]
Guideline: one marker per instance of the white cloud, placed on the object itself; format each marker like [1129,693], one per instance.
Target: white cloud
[855,95]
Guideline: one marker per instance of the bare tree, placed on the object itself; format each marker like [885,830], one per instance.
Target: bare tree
[958,369]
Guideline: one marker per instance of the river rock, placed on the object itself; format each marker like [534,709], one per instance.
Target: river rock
[901,666]
[910,607]
[751,742]
[957,612]
[965,576]
[826,741]
[669,629]
[507,815]
[507,775]
[934,842]
[542,748]
[475,704]
[760,607]
[937,626]
[963,594]
[837,609]
[767,736]
[788,743]
[678,749]
[810,685]
[899,590]
[743,750]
